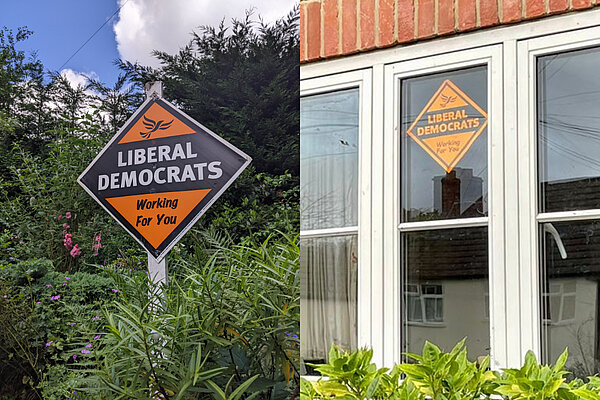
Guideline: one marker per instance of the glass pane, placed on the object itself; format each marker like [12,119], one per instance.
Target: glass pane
[328,290]
[329,160]
[570,253]
[569,131]
[444,145]
[455,261]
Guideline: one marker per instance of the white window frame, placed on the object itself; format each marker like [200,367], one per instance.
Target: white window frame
[360,80]
[491,57]
[514,232]
[529,216]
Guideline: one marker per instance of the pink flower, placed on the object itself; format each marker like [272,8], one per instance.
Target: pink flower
[60,216]
[67,277]
[68,214]
[84,351]
[38,302]
[71,323]
[74,356]
[66,226]
[98,238]
[96,317]
[55,297]
[115,290]
[68,241]
[88,345]
[75,252]
[48,285]
[49,343]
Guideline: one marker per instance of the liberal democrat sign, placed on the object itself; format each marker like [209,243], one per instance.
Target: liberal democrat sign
[160,173]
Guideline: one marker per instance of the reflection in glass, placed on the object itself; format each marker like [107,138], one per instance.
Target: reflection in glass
[446,289]
[428,191]
[570,262]
[328,290]
[329,160]
[569,131]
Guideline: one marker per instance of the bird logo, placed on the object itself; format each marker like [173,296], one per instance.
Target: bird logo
[447,100]
[154,126]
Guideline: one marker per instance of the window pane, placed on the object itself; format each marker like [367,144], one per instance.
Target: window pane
[570,263]
[455,263]
[569,131]
[444,145]
[329,160]
[328,290]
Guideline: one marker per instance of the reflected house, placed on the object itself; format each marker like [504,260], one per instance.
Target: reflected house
[458,193]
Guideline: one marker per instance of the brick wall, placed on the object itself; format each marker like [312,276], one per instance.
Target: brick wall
[331,28]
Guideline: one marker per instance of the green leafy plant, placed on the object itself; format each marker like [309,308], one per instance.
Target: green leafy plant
[535,381]
[441,375]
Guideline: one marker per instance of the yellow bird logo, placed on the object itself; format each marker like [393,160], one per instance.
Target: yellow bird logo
[154,126]
[447,100]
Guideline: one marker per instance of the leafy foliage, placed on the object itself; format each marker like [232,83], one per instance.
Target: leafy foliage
[226,326]
[439,375]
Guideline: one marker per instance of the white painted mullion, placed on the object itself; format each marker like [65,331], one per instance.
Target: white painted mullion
[512,193]
[329,232]
[529,285]
[496,230]
[390,267]
[365,268]
[377,300]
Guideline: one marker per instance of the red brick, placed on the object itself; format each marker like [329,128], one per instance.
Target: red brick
[313,30]
[555,6]
[511,11]
[348,26]
[534,8]
[467,15]
[426,19]
[579,4]
[386,23]
[303,56]
[445,17]
[330,28]
[367,24]
[488,12]
[406,20]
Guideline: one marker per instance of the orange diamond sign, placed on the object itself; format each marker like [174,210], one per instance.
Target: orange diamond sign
[160,173]
[448,125]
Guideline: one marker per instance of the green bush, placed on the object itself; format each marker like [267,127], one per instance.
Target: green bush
[226,325]
[46,317]
[438,375]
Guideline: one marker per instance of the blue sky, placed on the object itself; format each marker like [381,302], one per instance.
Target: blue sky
[61,26]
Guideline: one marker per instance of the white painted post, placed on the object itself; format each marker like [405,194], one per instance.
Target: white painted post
[157,270]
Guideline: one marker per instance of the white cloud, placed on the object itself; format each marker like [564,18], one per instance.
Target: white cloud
[77,79]
[146,25]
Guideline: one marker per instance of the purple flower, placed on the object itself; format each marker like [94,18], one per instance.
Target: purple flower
[49,343]
[64,284]
[67,277]
[37,302]
[84,351]
[55,297]
[4,297]
[97,337]
[96,317]
[74,356]
[71,323]
[115,290]
[48,285]
[88,345]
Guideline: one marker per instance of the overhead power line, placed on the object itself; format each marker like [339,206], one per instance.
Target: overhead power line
[93,34]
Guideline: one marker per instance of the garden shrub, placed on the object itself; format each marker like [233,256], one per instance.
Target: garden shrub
[226,325]
[440,375]
[46,318]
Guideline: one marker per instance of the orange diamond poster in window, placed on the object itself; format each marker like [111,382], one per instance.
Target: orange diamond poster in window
[448,125]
